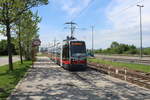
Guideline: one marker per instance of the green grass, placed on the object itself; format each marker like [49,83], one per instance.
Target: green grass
[40,54]
[3,56]
[8,80]
[139,67]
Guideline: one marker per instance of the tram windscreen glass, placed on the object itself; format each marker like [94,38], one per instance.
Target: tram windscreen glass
[78,47]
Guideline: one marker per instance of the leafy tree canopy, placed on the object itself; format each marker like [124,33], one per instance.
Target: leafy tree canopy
[10,10]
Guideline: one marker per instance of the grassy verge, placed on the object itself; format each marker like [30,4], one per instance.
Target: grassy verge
[8,80]
[40,55]
[139,67]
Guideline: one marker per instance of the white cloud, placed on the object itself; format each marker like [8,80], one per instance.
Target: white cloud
[49,34]
[122,15]
[125,24]
[72,7]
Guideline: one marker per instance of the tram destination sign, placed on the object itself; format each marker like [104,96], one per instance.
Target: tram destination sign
[36,42]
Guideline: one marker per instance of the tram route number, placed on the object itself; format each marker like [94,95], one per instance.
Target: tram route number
[76,44]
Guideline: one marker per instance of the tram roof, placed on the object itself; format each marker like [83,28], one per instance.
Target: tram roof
[72,40]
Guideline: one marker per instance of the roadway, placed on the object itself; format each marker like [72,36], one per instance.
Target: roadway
[128,59]
[4,60]
[48,81]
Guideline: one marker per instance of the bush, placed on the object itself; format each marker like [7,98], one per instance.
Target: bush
[4,49]
[146,51]
[116,48]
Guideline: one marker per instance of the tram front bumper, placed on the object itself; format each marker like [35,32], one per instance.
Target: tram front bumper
[78,66]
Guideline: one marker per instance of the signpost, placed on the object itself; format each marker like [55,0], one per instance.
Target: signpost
[35,43]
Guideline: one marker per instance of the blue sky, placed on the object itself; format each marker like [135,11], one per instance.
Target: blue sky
[58,12]
[53,16]
[114,20]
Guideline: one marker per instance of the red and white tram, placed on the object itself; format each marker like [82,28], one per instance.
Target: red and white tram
[71,54]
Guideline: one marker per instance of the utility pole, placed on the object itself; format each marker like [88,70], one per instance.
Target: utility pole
[92,39]
[54,49]
[141,49]
[72,27]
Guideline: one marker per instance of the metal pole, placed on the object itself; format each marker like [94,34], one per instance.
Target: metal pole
[33,54]
[141,48]
[72,24]
[54,50]
[93,39]
[71,30]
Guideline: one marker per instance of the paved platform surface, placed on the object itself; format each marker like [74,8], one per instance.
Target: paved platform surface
[48,81]
[4,60]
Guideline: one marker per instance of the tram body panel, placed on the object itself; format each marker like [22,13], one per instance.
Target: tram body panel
[71,54]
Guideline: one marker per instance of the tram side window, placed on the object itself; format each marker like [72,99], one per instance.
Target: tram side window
[58,52]
[65,54]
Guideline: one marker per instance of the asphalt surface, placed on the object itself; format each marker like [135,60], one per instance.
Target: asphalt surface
[127,59]
[123,57]
[48,81]
[4,60]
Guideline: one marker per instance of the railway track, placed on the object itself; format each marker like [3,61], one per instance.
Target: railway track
[135,77]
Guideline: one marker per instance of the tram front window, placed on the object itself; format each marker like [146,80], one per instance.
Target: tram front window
[78,48]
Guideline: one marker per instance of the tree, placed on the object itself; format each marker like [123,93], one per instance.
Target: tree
[114,44]
[10,12]
[119,48]
[19,42]
[27,30]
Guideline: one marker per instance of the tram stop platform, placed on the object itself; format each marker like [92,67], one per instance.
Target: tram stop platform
[48,81]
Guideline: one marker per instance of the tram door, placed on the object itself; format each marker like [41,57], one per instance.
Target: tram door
[65,54]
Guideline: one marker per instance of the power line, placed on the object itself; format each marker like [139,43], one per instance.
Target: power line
[130,6]
[90,3]
[83,10]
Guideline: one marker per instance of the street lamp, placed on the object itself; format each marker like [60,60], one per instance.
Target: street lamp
[140,6]
[92,39]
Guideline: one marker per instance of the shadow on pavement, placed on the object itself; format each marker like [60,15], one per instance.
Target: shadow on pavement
[51,82]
